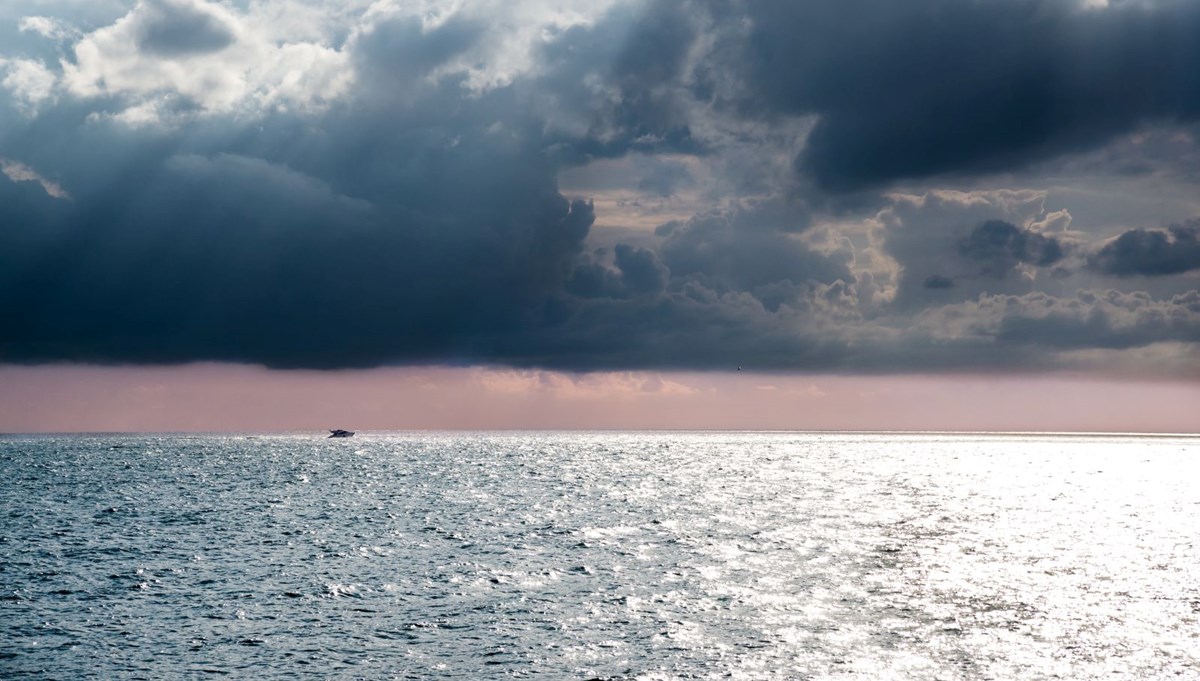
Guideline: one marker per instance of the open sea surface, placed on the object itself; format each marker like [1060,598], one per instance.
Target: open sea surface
[600,555]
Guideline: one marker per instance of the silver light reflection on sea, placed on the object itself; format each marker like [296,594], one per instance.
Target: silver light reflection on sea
[609,555]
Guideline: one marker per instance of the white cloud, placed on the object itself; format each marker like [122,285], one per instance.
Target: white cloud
[172,55]
[19,172]
[514,30]
[167,59]
[48,27]
[30,83]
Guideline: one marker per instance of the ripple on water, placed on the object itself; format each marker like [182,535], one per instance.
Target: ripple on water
[614,555]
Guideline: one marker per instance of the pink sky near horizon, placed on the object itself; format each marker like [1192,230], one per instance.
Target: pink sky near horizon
[238,398]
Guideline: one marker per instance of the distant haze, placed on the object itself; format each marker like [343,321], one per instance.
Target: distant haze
[234,398]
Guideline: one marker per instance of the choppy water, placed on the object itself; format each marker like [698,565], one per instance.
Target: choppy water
[636,555]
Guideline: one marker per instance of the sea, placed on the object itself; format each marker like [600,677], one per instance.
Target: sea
[600,555]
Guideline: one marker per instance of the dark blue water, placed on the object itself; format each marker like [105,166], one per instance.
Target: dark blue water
[636,555]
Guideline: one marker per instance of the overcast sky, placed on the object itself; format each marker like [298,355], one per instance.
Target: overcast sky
[857,188]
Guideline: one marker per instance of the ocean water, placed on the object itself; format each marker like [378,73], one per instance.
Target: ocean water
[600,555]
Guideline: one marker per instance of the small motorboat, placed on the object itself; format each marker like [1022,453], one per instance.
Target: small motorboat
[338,432]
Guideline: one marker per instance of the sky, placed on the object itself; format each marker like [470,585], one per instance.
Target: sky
[937,214]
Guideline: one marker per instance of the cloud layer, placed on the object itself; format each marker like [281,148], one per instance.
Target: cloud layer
[939,86]
[866,187]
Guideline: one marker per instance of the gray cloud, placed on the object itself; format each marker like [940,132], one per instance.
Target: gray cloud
[411,214]
[398,51]
[616,86]
[729,252]
[664,179]
[1104,319]
[1151,253]
[937,281]
[909,90]
[641,269]
[175,28]
[634,272]
[954,246]
[1001,245]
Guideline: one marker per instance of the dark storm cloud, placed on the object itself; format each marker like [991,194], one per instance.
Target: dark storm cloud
[640,269]
[226,257]
[619,81]
[414,221]
[373,234]
[1151,253]
[417,216]
[635,272]
[913,89]
[1001,245]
